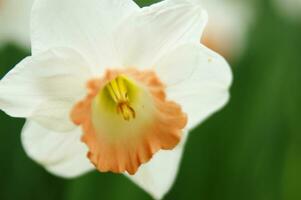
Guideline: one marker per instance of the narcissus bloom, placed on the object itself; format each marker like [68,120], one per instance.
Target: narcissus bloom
[14,22]
[229,22]
[114,87]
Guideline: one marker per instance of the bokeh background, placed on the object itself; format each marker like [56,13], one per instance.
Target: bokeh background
[251,150]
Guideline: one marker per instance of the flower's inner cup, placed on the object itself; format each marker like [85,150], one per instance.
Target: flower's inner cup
[126,118]
[119,92]
[121,108]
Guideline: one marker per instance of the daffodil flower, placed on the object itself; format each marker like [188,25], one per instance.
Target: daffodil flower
[229,22]
[15,22]
[114,87]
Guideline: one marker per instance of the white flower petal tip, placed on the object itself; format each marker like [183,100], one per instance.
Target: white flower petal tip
[157,176]
[218,61]
[156,30]
[44,87]
[57,23]
[205,89]
[62,154]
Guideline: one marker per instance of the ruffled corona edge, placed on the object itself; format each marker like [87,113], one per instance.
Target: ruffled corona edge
[126,154]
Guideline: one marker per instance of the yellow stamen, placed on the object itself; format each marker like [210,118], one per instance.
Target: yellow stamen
[119,93]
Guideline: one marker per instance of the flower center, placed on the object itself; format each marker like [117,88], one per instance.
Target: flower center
[118,90]
[121,104]
[126,118]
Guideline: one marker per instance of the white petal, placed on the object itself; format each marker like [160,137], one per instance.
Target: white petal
[145,36]
[45,87]
[177,65]
[158,175]
[63,154]
[206,89]
[81,24]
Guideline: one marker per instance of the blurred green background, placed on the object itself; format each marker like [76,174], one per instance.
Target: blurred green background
[251,150]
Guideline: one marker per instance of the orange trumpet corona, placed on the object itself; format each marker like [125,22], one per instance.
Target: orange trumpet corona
[126,119]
